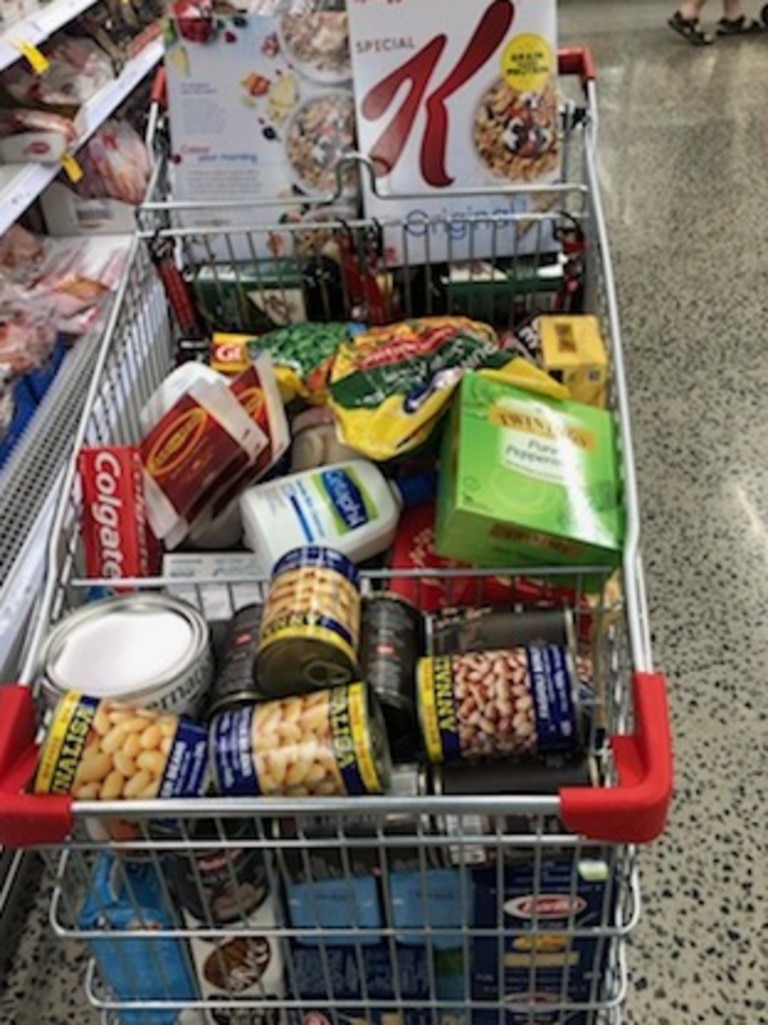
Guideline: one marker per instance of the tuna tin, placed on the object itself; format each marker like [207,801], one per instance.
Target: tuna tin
[149,649]
[330,742]
[222,883]
[498,704]
[311,626]
[459,630]
[392,641]
[235,684]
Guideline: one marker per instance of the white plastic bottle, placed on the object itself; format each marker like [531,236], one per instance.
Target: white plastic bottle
[350,507]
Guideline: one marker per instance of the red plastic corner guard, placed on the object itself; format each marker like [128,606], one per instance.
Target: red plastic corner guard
[26,820]
[636,810]
[577,60]
[158,94]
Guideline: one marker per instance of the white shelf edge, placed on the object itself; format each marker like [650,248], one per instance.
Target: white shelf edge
[21,184]
[37,27]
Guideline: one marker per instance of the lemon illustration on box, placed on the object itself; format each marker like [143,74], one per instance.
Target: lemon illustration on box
[526,479]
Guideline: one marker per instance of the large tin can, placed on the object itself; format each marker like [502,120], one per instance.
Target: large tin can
[235,684]
[498,704]
[109,751]
[310,630]
[324,743]
[152,650]
[392,642]
[224,882]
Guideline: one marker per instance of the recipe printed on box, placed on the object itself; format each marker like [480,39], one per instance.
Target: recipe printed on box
[461,102]
[261,110]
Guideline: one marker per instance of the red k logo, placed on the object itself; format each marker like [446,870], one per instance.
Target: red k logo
[418,73]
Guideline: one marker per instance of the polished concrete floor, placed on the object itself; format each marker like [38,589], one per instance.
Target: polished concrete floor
[684,159]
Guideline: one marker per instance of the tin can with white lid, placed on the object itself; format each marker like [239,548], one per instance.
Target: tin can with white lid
[150,649]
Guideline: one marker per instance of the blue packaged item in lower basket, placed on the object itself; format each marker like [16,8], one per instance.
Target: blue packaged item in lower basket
[542,902]
[386,971]
[332,904]
[127,896]
[430,901]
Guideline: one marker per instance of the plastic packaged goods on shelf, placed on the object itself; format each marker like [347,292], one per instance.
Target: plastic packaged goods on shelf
[35,26]
[21,184]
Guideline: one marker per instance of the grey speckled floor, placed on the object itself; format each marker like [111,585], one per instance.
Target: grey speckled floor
[684,144]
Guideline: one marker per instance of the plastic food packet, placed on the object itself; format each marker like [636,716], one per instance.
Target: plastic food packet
[302,354]
[389,385]
[78,69]
[115,164]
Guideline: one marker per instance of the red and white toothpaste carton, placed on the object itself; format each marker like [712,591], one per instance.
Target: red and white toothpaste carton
[116,535]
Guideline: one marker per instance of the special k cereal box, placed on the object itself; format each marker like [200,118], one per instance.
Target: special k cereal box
[455,97]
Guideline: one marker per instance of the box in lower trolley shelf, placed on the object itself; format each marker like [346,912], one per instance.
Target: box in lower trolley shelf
[543,898]
[235,967]
[341,968]
[125,897]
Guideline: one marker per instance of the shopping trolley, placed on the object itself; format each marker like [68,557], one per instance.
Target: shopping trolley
[419,906]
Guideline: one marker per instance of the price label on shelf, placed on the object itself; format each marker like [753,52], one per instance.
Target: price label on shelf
[73,169]
[36,58]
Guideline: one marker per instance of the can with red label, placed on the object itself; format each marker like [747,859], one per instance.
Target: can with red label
[392,642]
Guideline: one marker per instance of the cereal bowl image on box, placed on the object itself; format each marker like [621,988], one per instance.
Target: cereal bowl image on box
[320,131]
[317,44]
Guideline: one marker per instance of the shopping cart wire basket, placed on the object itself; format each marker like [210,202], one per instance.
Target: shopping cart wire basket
[422,905]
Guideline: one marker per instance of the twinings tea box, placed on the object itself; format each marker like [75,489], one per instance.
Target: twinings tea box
[525,479]
[452,99]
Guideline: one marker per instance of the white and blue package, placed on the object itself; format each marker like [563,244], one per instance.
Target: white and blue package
[431,900]
[552,896]
[126,896]
[339,968]
[334,904]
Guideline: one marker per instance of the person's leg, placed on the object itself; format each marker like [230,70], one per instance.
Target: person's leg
[735,22]
[685,20]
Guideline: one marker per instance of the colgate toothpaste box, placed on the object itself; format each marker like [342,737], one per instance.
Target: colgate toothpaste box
[116,535]
[468,101]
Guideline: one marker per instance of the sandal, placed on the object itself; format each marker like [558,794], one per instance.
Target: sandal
[742,26]
[690,29]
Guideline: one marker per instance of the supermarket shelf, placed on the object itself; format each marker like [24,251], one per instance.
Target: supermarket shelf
[21,184]
[39,26]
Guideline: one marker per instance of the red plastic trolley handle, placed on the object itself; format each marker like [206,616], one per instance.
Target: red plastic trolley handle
[159,94]
[633,812]
[636,810]
[577,60]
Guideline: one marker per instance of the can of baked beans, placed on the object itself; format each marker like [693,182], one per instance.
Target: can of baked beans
[392,642]
[310,629]
[109,751]
[330,742]
[152,650]
[498,704]
[223,882]
[235,684]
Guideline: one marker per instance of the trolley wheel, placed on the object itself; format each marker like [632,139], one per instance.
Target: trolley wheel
[764,15]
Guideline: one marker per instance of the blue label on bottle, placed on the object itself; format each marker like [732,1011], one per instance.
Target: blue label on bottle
[552,686]
[347,498]
[232,747]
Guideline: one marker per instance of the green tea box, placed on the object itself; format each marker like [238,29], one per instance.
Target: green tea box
[527,480]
